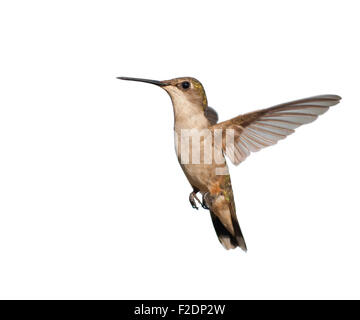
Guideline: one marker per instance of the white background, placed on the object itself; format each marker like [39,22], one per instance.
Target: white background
[93,203]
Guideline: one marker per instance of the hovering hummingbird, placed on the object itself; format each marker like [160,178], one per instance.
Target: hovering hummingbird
[250,133]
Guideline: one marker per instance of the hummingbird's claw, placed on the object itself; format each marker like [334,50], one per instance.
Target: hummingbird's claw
[192,198]
[205,206]
[193,203]
[206,201]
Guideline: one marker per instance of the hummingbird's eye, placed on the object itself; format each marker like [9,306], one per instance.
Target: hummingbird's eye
[185,84]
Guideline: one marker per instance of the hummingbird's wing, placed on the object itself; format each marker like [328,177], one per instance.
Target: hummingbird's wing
[256,130]
[211,115]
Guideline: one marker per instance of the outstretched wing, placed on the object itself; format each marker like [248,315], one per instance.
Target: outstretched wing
[256,130]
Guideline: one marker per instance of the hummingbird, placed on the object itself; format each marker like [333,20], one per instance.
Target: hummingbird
[250,132]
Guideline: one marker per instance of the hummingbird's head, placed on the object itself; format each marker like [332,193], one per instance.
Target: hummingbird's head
[183,91]
[186,89]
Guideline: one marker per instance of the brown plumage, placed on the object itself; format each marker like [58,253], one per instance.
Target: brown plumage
[250,133]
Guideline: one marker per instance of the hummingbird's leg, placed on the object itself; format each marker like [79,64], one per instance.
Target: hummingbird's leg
[193,197]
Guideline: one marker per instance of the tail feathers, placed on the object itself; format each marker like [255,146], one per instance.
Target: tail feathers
[226,238]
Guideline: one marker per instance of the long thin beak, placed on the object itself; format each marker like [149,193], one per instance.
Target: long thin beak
[158,83]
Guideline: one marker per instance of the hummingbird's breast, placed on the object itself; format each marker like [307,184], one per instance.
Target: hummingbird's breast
[200,159]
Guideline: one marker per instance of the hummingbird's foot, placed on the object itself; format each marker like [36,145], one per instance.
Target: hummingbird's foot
[192,198]
[207,200]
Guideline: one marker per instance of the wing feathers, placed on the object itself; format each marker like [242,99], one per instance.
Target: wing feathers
[316,110]
[262,128]
[211,115]
[272,128]
[299,118]
[280,123]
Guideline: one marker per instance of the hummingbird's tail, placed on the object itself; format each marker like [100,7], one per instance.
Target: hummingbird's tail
[227,226]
